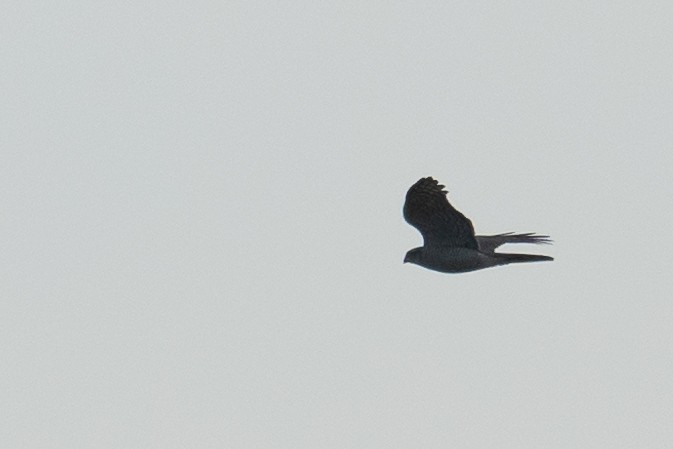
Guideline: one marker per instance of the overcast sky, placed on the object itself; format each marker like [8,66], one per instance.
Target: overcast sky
[201,237]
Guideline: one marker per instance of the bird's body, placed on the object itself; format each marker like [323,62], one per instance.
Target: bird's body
[449,242]
[449,259]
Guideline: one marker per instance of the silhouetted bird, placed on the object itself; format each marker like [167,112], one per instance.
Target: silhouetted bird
[449,243]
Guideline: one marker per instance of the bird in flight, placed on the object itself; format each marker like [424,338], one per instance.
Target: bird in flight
[449,243]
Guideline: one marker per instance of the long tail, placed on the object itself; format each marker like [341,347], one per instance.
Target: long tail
[506,258]
[488,243]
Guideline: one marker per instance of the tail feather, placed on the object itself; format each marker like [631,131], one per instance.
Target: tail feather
[507,258]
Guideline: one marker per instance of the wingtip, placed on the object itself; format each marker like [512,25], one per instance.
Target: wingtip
[431,180]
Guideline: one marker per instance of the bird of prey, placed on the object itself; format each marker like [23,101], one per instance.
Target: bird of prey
[449,243]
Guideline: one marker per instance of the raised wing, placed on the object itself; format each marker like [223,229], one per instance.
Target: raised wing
[428,210]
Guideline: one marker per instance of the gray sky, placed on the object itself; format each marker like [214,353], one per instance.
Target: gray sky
[201,235]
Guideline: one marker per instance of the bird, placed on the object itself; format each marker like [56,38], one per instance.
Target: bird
[449,242]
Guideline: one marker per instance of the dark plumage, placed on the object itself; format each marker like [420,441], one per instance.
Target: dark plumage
[449,243]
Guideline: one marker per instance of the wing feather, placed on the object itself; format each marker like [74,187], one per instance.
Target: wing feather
[428,209]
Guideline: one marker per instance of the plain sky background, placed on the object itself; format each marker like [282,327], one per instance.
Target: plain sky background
[201,237]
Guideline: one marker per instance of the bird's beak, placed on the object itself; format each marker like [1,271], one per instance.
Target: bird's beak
[405,259]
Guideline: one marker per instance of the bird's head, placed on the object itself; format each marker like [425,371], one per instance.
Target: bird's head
[414,256]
